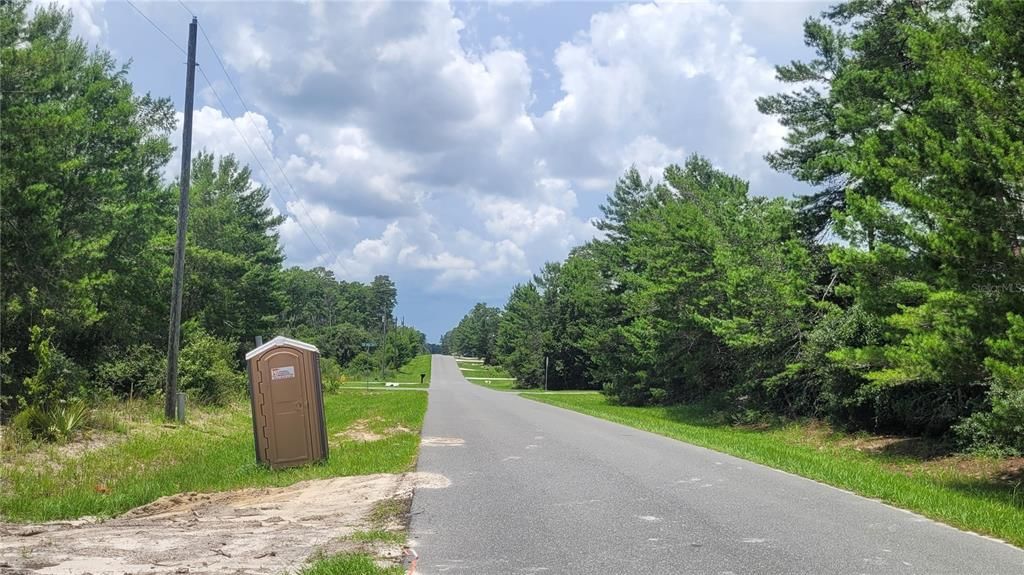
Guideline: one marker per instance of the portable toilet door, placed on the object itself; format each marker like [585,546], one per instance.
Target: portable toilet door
[287,403]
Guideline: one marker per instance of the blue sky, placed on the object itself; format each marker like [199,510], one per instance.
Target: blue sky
[457,147]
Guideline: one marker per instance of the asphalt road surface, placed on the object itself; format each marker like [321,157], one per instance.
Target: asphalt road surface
[539,489]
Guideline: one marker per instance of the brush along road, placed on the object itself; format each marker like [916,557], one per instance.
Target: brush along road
[538,489]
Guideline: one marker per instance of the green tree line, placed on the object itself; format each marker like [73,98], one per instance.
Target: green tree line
[475,335]
[88,230]
[892,298]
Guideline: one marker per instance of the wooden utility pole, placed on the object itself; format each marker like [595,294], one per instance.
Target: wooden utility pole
[174,333]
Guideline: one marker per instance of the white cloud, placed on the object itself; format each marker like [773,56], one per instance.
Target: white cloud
[518,222]
[649,155]
[88,23]
[220,134]
[410,245]
[246,50]
[647,81]
[311,231]
[343,166]
[415,142]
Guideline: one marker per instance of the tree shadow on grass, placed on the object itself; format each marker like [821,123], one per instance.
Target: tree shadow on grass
[998,479]
[915,448]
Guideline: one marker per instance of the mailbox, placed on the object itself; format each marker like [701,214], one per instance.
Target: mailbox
[287,403]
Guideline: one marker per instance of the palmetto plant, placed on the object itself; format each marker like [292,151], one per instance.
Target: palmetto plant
[59,422]
[64,420]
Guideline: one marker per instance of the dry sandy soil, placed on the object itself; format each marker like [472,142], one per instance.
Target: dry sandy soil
[248,531]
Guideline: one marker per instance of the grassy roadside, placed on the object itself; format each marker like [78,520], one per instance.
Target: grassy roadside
[350,385]
[479,374]
[349,564]
[498,385]
[470,369]
[410,372]
[966,492]
[390,525]
[213,451]
[408,375]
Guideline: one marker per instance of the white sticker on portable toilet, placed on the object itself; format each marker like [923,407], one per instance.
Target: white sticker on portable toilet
[286,372]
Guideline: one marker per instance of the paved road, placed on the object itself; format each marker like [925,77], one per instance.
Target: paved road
[538,489]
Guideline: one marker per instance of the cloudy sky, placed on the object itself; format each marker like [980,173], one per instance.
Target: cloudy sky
[457,147]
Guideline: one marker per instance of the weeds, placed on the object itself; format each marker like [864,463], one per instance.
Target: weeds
[213,451]
[349,564]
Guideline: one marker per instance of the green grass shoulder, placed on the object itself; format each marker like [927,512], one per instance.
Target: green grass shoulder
[212,451]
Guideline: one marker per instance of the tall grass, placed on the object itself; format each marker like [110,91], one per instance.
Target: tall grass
[349,564]
[213,452]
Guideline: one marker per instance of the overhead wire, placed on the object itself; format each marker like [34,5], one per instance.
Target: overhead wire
[266,173]
[187,9]
[263,169]
[158,29]
[294,194]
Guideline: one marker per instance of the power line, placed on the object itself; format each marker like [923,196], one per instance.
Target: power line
[238,94]
[158,29]
[193,14]
[266,172]
[294,194]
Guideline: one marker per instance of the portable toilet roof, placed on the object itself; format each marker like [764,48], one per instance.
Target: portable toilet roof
[280,341]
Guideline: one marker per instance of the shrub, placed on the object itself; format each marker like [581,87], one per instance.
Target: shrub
[56,378]
[207,367]
[137,371]
[331,375]
[363,364]
[19,428]
[56,423]
[1000,428]
[999,431]
[6,381]
[823,381]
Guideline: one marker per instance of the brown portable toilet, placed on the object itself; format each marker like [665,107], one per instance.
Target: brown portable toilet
[287,403]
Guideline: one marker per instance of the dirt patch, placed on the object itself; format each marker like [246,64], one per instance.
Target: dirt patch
[53,456]
[914,448]
[360,430]
[91,441]
[911,455]
[248,531]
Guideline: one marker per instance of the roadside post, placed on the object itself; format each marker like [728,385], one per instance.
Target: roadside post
[181,407]
[368,345]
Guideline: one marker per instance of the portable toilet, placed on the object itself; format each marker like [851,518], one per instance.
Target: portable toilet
[287,403]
